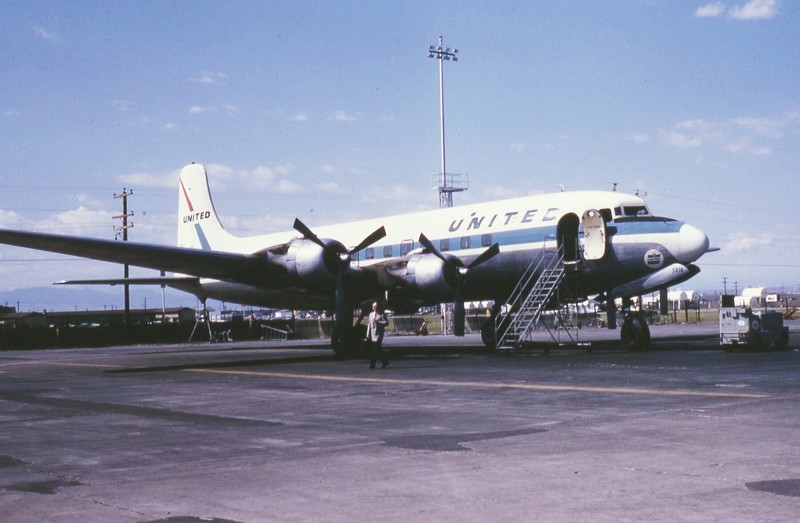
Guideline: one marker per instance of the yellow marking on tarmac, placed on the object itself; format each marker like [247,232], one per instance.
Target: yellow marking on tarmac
[59,364]
[489,384]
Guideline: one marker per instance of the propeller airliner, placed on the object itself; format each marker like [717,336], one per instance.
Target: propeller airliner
[617,248]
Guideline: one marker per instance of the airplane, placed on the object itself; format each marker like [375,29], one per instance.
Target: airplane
[457,254]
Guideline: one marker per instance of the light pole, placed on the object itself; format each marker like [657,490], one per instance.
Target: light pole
[443,53]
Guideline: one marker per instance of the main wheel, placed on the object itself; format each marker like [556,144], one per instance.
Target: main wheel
[783,340]
[635,334]
[489,335]
[344,342]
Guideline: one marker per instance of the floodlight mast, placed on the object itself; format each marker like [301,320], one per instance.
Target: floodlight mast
[443,53]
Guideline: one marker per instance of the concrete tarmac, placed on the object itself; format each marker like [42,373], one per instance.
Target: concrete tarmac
[282,431]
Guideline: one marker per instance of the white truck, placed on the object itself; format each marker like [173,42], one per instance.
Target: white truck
[756,329]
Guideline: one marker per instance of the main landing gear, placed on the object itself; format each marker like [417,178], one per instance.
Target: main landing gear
[346,340]
[635,333]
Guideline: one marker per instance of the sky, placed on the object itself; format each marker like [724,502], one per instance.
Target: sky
[329,111]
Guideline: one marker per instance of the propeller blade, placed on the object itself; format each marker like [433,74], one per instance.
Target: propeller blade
[429,245]
[376,235]
[486,255]
[459,314]
[307,233]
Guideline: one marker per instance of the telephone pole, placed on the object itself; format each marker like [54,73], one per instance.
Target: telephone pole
[122,230]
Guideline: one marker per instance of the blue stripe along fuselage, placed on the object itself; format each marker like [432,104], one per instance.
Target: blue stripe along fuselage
[201,236]
[619,227]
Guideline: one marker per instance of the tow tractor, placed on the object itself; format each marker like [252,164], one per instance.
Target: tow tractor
[756,329]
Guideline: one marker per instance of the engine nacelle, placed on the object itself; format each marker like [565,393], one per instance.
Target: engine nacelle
[430,278]
[312,265]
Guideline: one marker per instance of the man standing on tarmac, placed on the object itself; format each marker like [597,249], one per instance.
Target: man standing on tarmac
[376,325]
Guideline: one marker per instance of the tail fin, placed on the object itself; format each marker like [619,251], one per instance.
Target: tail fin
[198,224]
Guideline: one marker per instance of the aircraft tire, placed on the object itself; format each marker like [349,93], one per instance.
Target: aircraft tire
[783,340]
[755,341]
[343,342]
[489,336]
[635,334]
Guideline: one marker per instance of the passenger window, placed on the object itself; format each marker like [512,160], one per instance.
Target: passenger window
[387,251]
[406,247]
[369,253]
[486,240]
[444,244]
[465,242]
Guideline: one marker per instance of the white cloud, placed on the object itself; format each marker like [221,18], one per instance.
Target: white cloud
[169,127]
[9,219]
[755,10]
[271,179]
[122,105]
[750,10]
[148,179]
[299,117]
[44,34]
[742,135]
[741,242]
[231,109]
[710,10]
[210,78]
[343,116]
[682,140]
[769,127]
[639,138]
[517,147]
[331,188]
[198,109]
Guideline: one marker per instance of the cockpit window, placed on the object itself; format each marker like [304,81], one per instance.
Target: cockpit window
[639,210]
[632,210]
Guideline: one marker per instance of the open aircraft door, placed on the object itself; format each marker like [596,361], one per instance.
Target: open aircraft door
[594,235]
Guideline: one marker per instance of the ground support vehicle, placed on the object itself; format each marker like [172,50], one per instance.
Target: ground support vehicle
[758,330]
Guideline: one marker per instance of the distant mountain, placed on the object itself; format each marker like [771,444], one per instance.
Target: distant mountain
[70,298]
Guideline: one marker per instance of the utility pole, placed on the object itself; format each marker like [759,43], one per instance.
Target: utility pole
[725,284]
[456,182]
[123,231]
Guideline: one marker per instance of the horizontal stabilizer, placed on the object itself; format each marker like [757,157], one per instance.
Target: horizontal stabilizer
[133,281]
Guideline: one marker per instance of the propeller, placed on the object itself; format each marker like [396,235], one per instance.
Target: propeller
[460,272]
[337,257]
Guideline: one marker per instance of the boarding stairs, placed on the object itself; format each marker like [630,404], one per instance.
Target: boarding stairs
[537,288]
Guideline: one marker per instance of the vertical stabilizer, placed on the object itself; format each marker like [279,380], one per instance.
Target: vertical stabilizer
[198,224]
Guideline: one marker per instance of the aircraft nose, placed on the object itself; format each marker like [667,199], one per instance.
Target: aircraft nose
[692,243]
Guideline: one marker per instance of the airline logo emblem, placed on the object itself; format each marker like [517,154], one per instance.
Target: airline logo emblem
[653,259]
[194,216]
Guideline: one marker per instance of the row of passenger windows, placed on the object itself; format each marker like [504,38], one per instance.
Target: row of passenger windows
[466,242]
[445,244]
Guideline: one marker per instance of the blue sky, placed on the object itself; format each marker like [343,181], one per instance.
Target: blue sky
[329,111]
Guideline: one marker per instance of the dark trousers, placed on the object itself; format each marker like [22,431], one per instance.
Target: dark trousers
[375,351]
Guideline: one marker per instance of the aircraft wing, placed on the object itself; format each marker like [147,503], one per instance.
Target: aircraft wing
[242,268]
